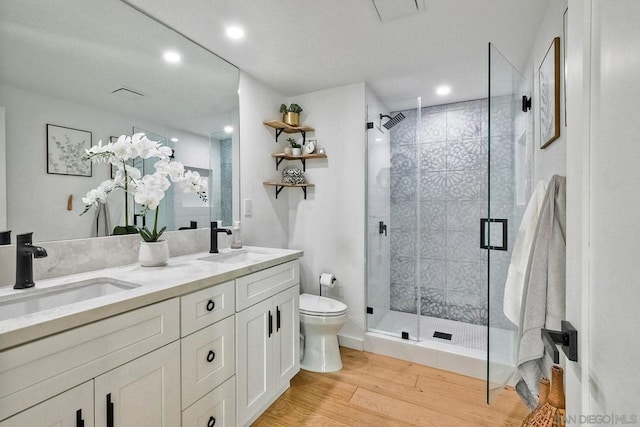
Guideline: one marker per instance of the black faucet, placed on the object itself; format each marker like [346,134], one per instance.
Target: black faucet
[24,261]
[214,236]
[192,226]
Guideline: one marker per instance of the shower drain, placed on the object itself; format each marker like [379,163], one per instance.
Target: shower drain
[442,335]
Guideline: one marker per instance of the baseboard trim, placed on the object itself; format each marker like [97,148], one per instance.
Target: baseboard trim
[351,342]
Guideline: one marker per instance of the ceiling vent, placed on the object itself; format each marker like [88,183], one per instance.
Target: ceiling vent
[393,9]
[127,93]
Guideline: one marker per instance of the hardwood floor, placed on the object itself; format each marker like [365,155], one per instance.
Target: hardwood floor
[375,390]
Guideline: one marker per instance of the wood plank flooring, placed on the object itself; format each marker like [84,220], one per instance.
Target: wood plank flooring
[375,390]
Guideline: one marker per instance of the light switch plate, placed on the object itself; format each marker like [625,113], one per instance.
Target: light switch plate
[248,208]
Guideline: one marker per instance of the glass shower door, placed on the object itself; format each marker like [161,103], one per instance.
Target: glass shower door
[393,217]
[509,187]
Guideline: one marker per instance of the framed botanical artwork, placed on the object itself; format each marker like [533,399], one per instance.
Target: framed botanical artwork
[65,149]
[549,99]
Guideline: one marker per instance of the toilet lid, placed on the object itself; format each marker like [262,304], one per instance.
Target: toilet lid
[317,305]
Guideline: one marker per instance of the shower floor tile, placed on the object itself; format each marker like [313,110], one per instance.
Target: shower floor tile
[463,334]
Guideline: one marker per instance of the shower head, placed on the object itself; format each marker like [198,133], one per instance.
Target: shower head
[392,120]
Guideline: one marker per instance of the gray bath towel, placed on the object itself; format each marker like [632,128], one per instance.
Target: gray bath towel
[543,299]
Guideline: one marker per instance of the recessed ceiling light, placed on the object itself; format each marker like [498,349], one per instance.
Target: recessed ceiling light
[174,139]
[228,129]
[235,32]
[172,57]
[378,139]
[443,90]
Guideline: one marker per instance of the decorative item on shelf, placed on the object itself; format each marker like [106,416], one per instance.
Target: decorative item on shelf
[321,150]
[292,176]
[288,150]
[296,148]
[310,147]
[146,190]
[552,412]
[291,115]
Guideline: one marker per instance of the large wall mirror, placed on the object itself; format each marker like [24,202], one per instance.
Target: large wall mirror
[95,69]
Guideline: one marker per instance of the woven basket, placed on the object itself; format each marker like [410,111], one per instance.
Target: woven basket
[550,411]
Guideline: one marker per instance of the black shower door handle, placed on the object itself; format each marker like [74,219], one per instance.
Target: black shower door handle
[485,223]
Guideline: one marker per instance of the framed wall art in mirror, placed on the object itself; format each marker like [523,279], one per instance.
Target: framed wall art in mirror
[66,148]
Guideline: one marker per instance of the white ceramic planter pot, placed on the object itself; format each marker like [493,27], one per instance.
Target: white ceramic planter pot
[153,254]
[296,151]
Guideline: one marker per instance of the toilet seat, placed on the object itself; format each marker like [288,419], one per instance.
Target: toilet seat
[314,305]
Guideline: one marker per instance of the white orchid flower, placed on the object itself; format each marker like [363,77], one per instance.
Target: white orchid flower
[175,170]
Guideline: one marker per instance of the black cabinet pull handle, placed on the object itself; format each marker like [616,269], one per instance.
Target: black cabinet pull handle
[79,420]
[212,422]
[270,324]
[211,305]
[210,356]
[110,406]
[277,319]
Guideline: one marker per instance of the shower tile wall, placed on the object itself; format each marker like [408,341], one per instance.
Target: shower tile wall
[450,161]
[226,184]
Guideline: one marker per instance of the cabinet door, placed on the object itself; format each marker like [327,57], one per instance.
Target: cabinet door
[254,328]
[144,392]
[73,408]
[286,355]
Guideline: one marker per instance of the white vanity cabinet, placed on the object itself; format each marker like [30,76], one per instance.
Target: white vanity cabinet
[73,408]
[134,357]
[267,343]
[214,357]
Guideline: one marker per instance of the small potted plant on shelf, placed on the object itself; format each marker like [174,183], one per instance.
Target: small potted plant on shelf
[296,149]
[291,114]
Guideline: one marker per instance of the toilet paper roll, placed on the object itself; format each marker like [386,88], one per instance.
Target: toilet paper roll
[327,279]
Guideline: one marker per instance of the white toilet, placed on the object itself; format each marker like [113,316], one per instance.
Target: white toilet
[320,320]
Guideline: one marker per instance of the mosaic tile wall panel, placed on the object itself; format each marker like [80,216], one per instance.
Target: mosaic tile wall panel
[443,179]
[226,184]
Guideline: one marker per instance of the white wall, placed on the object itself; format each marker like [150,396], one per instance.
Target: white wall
[329,225]
[269,224]
[553,159]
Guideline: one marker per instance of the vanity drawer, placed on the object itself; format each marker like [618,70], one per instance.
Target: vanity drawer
[33,372]
[216,408]
[206,307]
[207,359]
[256,287]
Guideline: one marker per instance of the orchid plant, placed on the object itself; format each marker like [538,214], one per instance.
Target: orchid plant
[146,190]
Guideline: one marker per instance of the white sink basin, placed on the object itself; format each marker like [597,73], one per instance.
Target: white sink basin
[34,300]
[237,257]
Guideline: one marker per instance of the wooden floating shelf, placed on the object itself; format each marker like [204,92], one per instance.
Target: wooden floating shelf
[283,127]
[280,185]
[303,157]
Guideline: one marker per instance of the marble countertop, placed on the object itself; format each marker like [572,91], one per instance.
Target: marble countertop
[182,275]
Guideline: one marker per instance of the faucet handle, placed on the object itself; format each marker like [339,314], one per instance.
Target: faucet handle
[214,224]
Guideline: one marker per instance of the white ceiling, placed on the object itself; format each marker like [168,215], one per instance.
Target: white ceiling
[300,46]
